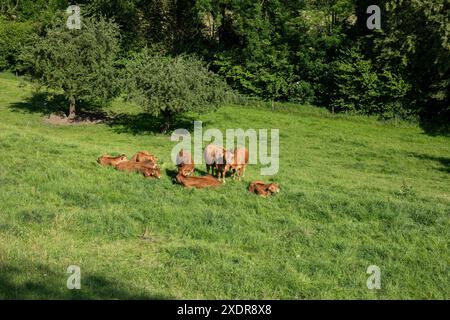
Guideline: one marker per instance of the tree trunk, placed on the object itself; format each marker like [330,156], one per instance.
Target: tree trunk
[72,109]
[167,122]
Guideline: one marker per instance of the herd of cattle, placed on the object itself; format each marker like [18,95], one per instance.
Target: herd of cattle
[218,160]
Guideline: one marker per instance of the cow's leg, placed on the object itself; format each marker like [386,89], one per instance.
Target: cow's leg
[243,172]
[207,168]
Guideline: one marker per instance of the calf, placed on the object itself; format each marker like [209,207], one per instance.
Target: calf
[240,160]
[142,156]
[198,182]
[111,161]
[262,189]
[185,163]
[127,166]
[152,173]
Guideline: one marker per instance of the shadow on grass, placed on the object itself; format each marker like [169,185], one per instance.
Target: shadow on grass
[436,128]
[46,104]
[445,162]
[136,124]
[44,283]
[144,123]
[42,102]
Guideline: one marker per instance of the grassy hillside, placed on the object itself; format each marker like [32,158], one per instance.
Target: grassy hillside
[354,193]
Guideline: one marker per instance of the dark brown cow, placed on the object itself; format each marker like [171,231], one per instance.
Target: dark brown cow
[263,189]
[111,161]
[198,182]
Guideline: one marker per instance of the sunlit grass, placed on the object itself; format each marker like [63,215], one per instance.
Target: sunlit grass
[354,193]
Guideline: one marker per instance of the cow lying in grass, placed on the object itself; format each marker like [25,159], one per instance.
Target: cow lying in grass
[147,168]
[111,160]
[142,162]
[198,182]
[262,189]
[143,156]
[185,163]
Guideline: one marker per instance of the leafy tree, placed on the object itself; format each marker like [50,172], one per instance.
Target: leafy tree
[357,86]
[415,41]
[80,63]
[14,36]
[168,86]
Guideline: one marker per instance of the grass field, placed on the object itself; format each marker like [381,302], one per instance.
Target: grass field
[354,192]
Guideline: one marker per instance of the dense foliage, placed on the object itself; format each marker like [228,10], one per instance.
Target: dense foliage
[311,51]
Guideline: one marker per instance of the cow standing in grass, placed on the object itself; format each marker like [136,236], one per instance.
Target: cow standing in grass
[239,163]
[218,160]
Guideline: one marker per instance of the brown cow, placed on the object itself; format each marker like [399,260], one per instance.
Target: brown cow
[133,166]
[219,159]
[262,189]
[147,168]
[111,161]
[142,156]
[128,166]
[152,173]
[198,182]
[185,163]
[240,160]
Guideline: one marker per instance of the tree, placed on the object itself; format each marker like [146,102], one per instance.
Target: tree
[81,63]
[170,86]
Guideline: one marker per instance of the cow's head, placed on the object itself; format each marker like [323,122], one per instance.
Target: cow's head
[152,173]
[273,187]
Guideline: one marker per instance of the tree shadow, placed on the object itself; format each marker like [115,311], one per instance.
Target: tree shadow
[445,162]
[436,128]
[42,102]
[44,283]
[56,104]
[172,173]
[144,123]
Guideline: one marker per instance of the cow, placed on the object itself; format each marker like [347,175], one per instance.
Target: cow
[217,159]
[185,163]
[111,161]
[127,166]
[239,163]
[262,189]
[198,182]
[142,156]
[151,173]
[147,168]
